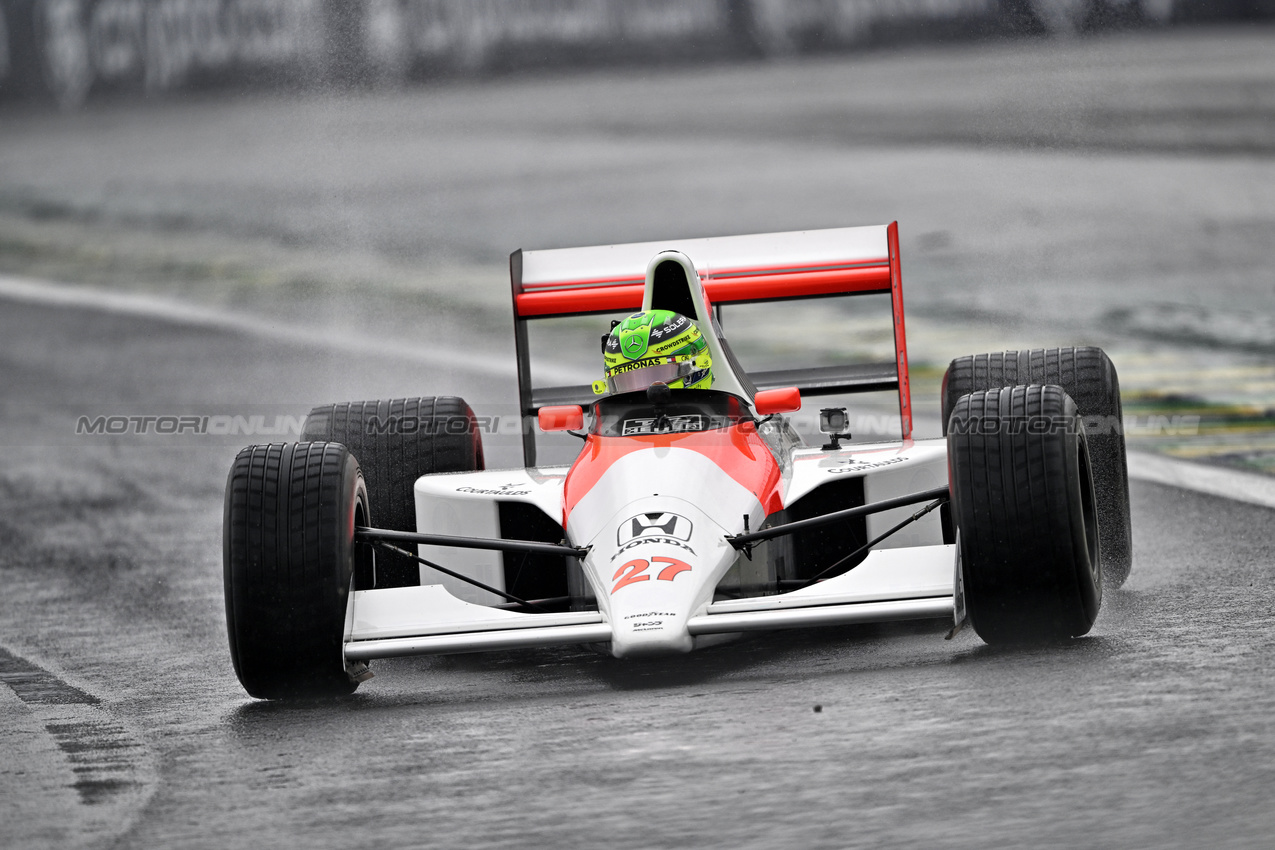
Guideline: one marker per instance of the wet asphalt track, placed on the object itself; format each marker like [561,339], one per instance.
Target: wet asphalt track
[128,726]
[123,724]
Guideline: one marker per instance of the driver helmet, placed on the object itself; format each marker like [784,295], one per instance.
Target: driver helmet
[655,346]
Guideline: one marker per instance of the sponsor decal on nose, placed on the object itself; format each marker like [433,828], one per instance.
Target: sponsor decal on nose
[661,524]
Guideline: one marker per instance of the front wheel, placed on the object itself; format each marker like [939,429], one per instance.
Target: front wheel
[1025,511]
[289,557]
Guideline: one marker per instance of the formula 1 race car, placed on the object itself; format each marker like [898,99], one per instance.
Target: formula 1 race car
[691,514]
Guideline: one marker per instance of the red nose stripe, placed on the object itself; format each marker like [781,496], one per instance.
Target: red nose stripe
[738,451]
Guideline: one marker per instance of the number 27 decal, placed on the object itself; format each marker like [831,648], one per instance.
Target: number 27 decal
[635,571]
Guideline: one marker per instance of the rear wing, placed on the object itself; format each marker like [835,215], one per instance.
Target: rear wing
[734,270]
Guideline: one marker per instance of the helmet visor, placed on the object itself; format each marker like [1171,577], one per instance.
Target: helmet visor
[664,370]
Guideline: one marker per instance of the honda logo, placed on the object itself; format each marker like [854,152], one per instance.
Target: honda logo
[654,525]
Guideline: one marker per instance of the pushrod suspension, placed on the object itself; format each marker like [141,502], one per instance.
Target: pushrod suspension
[747,539]
[368,535]
[390,547]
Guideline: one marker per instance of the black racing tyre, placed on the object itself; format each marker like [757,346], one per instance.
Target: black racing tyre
[396,442]
[289,556]
[1025,511]
[1089,377]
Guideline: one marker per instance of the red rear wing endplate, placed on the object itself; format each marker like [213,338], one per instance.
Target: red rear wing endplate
[735,270]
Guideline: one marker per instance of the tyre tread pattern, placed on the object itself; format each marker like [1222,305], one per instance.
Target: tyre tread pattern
[396,441]
[1089,377]
[1024,566]
[287,568]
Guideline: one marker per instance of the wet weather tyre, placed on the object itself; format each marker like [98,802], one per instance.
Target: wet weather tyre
[396,442]
[1089,377]
[289,556]
[1024,506]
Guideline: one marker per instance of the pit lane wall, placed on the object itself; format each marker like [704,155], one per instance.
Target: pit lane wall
[65,51]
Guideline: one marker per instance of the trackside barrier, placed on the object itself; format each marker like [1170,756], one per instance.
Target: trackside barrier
[65,50]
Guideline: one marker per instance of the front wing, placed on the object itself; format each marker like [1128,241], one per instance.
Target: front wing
[911,583]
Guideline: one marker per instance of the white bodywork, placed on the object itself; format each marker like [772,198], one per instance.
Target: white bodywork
[713,256]
[655,516]
[910,580]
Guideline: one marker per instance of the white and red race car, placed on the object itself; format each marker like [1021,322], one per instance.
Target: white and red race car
[689,516]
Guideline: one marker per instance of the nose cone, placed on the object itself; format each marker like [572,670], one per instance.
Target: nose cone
[648,614]
[657,566]
[656,513]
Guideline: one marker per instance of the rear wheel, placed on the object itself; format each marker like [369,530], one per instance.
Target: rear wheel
[289,557]
[1088,376]
[1024,506]
[396,442]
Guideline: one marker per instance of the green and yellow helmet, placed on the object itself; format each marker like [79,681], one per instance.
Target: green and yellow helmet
[655,345]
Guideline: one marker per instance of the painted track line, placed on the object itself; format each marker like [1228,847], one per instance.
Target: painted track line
[1232,484]
[69,296]
[1251,487]
[76,774]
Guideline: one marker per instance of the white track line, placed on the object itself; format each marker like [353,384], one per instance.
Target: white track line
[1251,487]
[1215,481]
[51,294]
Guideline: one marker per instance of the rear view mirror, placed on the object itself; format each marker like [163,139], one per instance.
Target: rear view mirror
[565,417]
[783,400]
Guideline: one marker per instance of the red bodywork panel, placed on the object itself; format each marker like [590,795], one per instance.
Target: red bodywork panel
[738,451]
[900,334]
